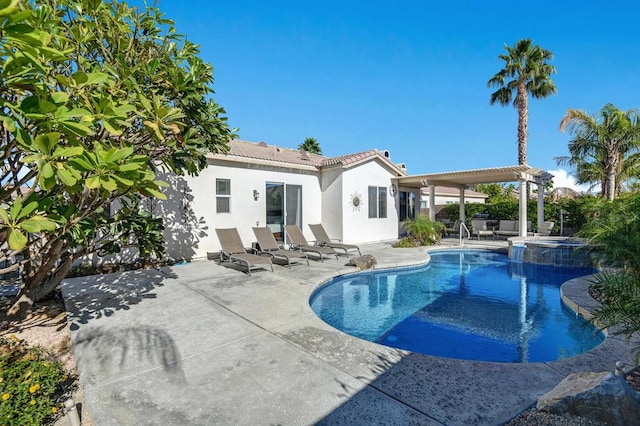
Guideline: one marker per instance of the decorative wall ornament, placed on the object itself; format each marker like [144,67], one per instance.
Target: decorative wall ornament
[393,190]
[356,201]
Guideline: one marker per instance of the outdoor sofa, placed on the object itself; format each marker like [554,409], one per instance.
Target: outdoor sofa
[510,228]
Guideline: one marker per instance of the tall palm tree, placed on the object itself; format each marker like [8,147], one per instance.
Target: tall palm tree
[604,149]
[311,145]
[526,71]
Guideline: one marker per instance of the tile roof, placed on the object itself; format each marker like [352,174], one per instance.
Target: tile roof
[262,151]
[349,158]
[265,152]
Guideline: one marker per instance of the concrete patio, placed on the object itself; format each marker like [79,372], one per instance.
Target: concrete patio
[204,343]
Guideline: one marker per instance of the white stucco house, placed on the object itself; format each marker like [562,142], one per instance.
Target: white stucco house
[356,197]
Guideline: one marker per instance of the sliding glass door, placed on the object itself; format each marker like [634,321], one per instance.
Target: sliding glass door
[284,206]
[407,205]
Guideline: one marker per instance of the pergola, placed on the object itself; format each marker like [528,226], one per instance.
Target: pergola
[462,179]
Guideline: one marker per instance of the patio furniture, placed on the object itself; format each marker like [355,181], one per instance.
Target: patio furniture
[269,246]
[507,228]
[510,228]
[479,228]
[546,228]
[233,250]
[322,239]
[453,229]
[299,242]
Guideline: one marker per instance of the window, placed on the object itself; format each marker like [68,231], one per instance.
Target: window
[223,195]
[377,201]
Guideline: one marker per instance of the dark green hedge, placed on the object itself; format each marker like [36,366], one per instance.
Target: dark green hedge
[575,213]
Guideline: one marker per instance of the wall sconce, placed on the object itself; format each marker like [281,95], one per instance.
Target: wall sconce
[393,189]
[256,195]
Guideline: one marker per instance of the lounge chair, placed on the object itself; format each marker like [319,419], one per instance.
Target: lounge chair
[299,242]
[322,239]
[269,246]
[479,228]
[233,250]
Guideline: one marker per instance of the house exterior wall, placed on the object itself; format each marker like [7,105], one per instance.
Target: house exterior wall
[357,227]
[333,201]
[191,214]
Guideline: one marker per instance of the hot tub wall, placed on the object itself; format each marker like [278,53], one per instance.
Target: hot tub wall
[554,252]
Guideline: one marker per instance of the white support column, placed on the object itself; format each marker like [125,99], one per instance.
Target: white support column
[462,213]
[541,203]
[523,208]
[432,202]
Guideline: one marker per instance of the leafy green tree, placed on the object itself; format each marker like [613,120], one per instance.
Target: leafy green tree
[526,72]
[605,149]
[495,191]
[311,145]
[96,97]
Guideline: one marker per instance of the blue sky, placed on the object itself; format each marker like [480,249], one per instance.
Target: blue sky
[409,77]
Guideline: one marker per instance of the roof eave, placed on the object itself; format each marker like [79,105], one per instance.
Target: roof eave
[271,163]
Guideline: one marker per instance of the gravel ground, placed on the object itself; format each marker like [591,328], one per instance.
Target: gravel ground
[47,327]
[539,418]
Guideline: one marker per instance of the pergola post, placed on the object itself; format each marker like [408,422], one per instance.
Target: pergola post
[462,213]
[541,203]
[541,181]
[523,208]
[432,203]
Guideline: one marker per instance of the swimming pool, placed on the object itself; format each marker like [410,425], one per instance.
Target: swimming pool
[465,304]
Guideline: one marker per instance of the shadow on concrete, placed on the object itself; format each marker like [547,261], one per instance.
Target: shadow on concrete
[97,296]
[120,348]
[450,391]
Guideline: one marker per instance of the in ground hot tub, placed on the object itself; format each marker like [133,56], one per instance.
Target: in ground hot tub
[556,251]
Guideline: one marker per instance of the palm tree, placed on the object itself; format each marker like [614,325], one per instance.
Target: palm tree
[604,149]
[526,71]
[311,145]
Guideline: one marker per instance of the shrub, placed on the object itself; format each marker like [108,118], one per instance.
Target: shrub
[614,234]
[506,209]
[576,213]
[31,384]
[422,232]
[452,211]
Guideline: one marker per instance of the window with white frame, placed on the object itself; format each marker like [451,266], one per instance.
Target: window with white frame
[377,202]
[223,195]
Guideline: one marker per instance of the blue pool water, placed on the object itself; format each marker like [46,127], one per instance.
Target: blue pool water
[465,304]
